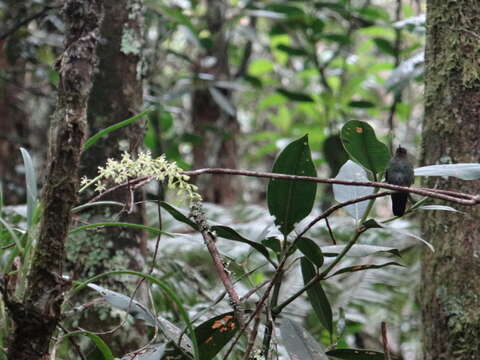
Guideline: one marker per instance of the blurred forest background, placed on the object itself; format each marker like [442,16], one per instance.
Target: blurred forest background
[229,84]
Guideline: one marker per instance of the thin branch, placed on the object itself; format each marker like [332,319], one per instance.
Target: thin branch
[386,351]
[210,240]
[452,196]
[332,236]
[464,199]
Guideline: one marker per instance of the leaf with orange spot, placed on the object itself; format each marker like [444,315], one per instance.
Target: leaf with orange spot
[213,335]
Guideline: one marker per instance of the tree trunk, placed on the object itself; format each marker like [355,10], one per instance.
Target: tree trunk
[13,117]
[451,284]
[116,96]
[216,127]
[37,316]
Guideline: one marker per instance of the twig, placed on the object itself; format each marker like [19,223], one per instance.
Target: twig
[252,338]
[464,199]
[452,196]
[210,240]
[332,236]
[386,351]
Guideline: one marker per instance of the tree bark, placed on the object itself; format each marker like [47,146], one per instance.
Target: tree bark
[13,117]
[451,285]
[37,316]
[216,128]
[116,96]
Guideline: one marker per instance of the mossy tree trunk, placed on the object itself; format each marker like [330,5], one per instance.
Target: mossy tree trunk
[116,96]
[451,282]
[37,315]
[217,128]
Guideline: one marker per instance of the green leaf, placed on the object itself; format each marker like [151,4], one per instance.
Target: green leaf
[311,250]
[361,104]
[371,224]
[273,243]
[293,51]
[317,296]
[364,267]
[92,140]
[385,46]
[101,345]
[359,250]
[177,215]
[465,171]
[228,233]
[338,38]
[31,182]
[299,343]
[356,354]
[291,201]
[260,67]
[292,12]
[214,334]
[363,147]
[11,232]
[295,96]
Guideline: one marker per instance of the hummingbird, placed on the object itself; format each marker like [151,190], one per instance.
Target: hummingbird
[399,172]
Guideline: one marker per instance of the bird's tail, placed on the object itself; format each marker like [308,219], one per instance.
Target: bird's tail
[399,203]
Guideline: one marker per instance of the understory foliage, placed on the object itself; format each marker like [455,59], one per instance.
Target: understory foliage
[286,280]
[295,269]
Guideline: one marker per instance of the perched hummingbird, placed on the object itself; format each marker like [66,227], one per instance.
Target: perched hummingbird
[400,172]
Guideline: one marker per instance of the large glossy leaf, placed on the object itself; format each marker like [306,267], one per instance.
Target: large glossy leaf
[465,171]
[290,201]
[317,296]
[355,354]
[363,147]
[353,172]
[311,250]
[299,343]
[212,336]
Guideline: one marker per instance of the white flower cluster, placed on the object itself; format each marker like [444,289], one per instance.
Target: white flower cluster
[144,165]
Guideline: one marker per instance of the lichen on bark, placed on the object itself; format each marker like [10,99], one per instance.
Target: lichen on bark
[450,294]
